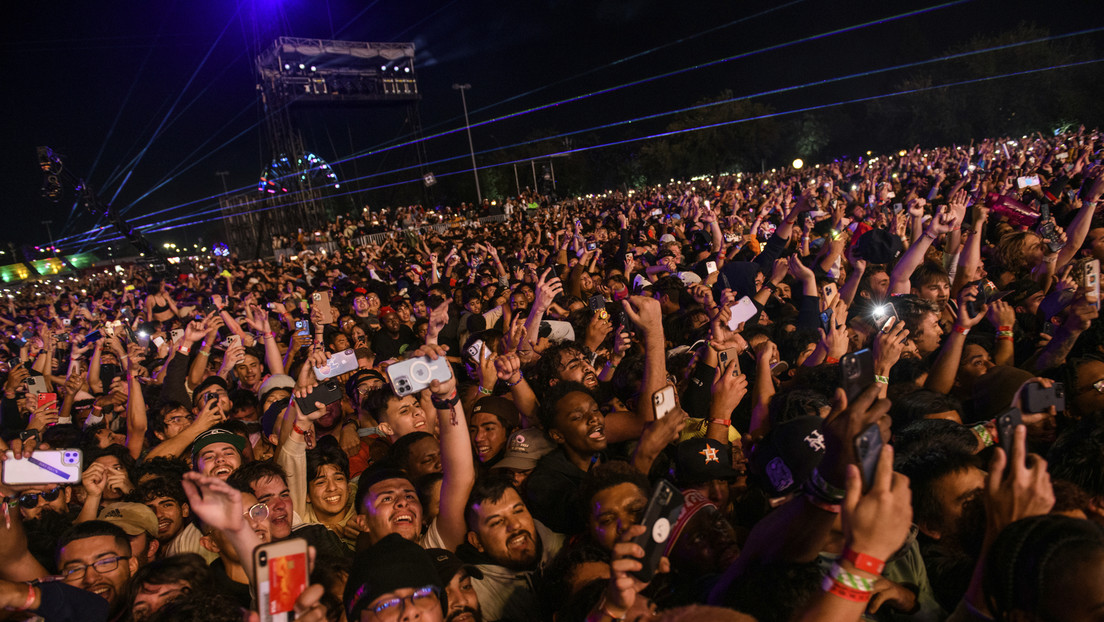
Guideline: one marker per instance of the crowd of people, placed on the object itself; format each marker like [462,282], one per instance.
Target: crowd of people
[868,389]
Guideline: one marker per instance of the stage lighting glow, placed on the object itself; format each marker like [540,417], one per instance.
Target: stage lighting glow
[798,163]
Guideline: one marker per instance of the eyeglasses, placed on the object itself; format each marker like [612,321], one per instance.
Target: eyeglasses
[257,512]
[102,566]
[423,598]
[176,419]
[29,500]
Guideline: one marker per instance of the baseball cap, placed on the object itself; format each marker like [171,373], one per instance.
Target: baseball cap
[217,435]
[393,563]
[785,458]
[701,460]
[133,518]
[275,381]
[666,237]
[525,449]
[504,409]
[448,564]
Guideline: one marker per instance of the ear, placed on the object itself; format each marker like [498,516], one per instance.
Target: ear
[556,436]
[133,563]
[209,543]
[185,511]
[160,436]
[68,493]
[151,548]
[934,534]
[386,429]
[473,539]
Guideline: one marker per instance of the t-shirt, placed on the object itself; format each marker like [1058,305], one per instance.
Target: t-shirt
[386,346]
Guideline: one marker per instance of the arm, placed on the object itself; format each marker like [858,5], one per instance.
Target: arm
[899,282]
[941,377]
[646,314]
[219,506]
[458,466]
[136,406]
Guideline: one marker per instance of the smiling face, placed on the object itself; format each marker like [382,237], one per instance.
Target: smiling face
[392,506]
[329,491]
[218,460]
[488,435]
[505,532]
[579,425]
[170,517]
[273,492]
[250,371]
[111,584]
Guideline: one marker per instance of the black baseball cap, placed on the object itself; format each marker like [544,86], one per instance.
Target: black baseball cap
[701,460]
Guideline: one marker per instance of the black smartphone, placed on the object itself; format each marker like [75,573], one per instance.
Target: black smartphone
[1006,428]
[108,372]
[868,448]
[826,320]
[659,520]
[1039,399]
[597,302]
[327,392]
[856,372]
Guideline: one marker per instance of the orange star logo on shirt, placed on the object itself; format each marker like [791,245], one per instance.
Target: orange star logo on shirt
[710,454]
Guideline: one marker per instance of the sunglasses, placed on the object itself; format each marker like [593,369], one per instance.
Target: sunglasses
[29,500]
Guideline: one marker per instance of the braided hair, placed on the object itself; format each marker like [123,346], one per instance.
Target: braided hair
[1033,558]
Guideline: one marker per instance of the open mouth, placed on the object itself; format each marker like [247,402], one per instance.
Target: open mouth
[597,433]
[163,525]
[104,591]
[222,471]
[404,518]
[334,500]
[590,379]
[519,540]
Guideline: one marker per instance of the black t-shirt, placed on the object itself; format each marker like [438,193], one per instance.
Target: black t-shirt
[385,346]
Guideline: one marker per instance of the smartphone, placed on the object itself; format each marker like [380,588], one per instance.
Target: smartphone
[1090,281]
[327,392]
[591,246]
[710,267]
[882,314]
[158,341]
[46,466]
[475,349]
[742,311]
[826,320]
[413,375]
[47,399]
[856,372]
[340,363]
[868,448]
[1006,428]
[731,354]
[91,338]
[232,340]
[281,573]
[662,513]
[597,302]
[35,385]
[664,401]
[176,335]
[302,328]
[1039,399]
[321,300]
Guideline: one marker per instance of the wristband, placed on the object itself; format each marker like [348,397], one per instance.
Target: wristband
[836,588]
[483,391]
[961,330]
[834,508]
[928,234]
[204,352]
[269,335]
[863,562]
[724,422]
[295,427]
[851,580]
[983,435]
[30,598]
[445,403]
[183,349]
[831,360]
[881,379]
[1004,329]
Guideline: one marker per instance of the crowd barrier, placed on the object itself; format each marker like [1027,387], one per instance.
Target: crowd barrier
[377,238]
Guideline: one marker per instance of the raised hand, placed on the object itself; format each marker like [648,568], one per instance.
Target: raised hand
[547,290]
[216,503]
[878,522]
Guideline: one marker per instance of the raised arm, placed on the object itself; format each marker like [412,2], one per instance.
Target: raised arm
[136,404]
[942,223]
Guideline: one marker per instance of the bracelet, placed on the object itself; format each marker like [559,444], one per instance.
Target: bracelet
[445,403]
[961,330]
[881,379]
[521,377]
[1004,333]
[836,588]
[295,428]
[1004,329]
[183,349]
[983,435]
[483,391]
[863,562]
[269,335]
[928,234]
[30,598]
[204,352]
[724,422]
[849,579]
[831,360]
[834,508]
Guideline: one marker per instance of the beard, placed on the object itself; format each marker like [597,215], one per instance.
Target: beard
[459,612]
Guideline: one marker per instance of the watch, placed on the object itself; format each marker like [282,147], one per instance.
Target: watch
[26,435]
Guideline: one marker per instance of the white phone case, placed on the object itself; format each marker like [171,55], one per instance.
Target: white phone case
[742,311]
[61,466]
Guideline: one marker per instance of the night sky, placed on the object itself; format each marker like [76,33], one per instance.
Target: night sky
[94,79]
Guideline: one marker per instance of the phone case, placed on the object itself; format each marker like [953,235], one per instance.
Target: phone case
[731,354]
[856,372]
[321,300]
[35,385]
[1006,428]
[1091,280]
[281,573]
[1038,399]
[326,392]
[413,375]
[659,520]
[664,401]
[868,448]
[742,311]
[340,363]
[60,466]
[597,302]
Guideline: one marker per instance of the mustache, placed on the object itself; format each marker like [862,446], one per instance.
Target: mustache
[459,612]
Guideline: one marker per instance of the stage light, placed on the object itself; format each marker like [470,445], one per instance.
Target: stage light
[313,68]
[902,153]
[302,66]
[406,69]
[287,66]
[383,67]
[798,163]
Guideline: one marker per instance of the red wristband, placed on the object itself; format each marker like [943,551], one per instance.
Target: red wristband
[848,593]
[724,422]
[831,360]
[295,427]
[30,597]
[183,349]
[1004,329]
[962,330]
[863,562]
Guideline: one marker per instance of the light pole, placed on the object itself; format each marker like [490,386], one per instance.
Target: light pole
[467,124]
